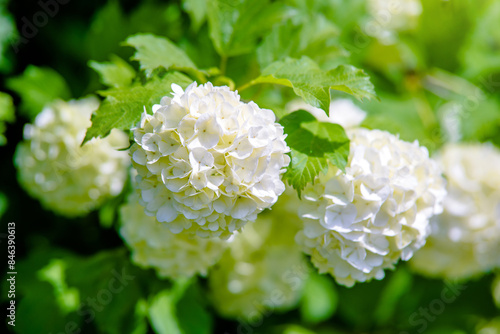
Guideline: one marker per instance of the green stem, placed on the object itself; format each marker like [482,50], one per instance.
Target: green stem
[223,64]
[200,77]
[245,86]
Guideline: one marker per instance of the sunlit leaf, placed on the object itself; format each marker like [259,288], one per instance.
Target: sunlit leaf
[116,73]
[154,51]
[314,144]
[123,107]
[313,84]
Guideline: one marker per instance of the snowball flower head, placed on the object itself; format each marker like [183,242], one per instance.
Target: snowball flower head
[207,162]
[263,268]
[465,239]
[341,111]
[359,223]
[66,177]
[171,255]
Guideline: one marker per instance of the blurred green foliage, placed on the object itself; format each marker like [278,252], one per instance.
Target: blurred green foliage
[439,81]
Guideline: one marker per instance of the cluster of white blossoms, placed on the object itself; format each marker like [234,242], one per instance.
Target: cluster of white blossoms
[263,269]
[171,255]
[465,239]
[207,162]
[390,16]
[359,223]
[66,177]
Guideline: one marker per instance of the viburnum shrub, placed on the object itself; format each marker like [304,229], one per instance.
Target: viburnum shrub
[207,163]
[250,168]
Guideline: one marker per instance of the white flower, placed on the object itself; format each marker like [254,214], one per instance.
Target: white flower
[342,111]
[359,223]
[465,239]
[390,16]
[263,268]
[207,162]
[66,177]
[171,255]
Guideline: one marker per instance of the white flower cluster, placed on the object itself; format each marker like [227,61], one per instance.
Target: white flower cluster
[171,255]
[207,162]
[359,223]
[465,239]
[391,16]
[341,111]
[66,177]
[263,268]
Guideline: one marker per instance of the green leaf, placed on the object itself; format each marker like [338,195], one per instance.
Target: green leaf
[396,288]
[6,114]
[303,169]
[162,309]
[41,301]
[140,325]
[192,314]
[312,84]
[110,289]
[154,51]
[123,107]
[314,144]
[319,300]
[8,37]
[102,38]
[316,38]
[67,299]
[35,294]
[480,54]
[236,25]
[400,116]
[197,11]
[6,108]
[116,73]
[4,203]
[37,87]
[480,122]
[180,310]
[107,214]
[162,314]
